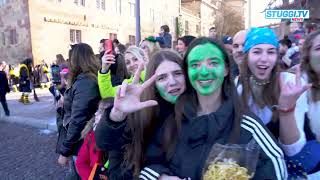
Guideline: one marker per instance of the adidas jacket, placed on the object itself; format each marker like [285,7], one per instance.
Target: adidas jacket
[198,135]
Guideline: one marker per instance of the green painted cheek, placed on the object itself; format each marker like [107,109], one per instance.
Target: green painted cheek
[168,97]
[203,73]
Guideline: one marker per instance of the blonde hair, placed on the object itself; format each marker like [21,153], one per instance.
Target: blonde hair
[152,46]
[137,52]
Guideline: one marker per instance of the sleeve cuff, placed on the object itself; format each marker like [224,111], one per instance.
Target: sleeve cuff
[153,172]
[295,148]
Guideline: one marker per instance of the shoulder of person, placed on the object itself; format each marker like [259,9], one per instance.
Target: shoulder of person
[85,81]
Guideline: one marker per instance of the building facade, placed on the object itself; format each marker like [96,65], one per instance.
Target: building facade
[206,10]
[43,28]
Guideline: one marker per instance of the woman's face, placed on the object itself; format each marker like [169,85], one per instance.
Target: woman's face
[170,81]
[181,47]
[132,63]
[315,55]
[144,46]
[100,111]
[206,68]
[261,60]
[300,44]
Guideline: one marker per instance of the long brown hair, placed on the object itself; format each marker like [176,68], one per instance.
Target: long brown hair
[270,93]
[306,67]
[144,122]
[82,60]
[173,126]
[60,59]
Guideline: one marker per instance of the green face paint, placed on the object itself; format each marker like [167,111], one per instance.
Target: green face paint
[206,68]
[165,95]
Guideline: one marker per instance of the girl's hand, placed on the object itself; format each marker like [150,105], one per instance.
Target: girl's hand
[289,92]
[107,61]
[127,99]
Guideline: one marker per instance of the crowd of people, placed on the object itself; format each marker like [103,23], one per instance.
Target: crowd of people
[154,112]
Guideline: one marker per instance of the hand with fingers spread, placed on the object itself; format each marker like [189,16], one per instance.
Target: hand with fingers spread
[107,61]
[290,92]
[127,99]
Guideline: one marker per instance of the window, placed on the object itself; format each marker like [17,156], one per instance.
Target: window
[83,2]
[98,4]
[3,2]
[117,6]
[132,9]
[113,36]
[72,34]
[132,40]
[13,36]
[75,36]
[152,14]
[3,38]
[103,4]
[78,36]
[198,29]
[186,27]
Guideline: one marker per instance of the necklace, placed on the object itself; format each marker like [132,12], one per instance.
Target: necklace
[259,83]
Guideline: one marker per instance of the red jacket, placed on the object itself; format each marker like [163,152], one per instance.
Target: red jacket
[88,155]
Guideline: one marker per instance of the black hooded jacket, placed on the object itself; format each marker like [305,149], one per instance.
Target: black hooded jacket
[200,133]
[112,136]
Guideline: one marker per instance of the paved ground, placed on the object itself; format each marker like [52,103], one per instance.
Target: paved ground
[37,114]
[28,153]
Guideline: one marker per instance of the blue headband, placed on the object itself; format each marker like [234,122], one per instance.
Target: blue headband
[260,36]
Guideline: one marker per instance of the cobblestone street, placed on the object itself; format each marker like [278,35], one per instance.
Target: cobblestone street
[28,153]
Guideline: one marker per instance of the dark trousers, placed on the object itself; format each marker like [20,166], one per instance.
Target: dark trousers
[4,104]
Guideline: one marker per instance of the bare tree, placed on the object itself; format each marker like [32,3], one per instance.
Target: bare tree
[228,21]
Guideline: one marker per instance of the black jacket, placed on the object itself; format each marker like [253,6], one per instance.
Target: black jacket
[24,79]
[80,104]
[112,136]
[4,86]
[200,133]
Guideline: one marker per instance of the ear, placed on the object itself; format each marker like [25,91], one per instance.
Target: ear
[226,71]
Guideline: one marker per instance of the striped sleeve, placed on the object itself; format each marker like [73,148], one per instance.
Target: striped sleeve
[148,174]
[267,144]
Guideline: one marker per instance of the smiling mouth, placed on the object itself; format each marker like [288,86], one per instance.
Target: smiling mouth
[262,67]
[175,92]
[205,82]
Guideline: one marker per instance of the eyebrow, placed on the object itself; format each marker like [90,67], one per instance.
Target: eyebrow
[261,49]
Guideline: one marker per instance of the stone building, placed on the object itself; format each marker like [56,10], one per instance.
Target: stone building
[43,28]
[205,10]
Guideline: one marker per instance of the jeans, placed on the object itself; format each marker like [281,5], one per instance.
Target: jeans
[72,174]
[4,104]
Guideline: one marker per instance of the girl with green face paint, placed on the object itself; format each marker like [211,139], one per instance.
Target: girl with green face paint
[170,82]
[142,108]
[206,68]
[208,112]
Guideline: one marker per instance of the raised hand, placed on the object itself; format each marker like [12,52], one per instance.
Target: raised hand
[127,99]
[107,61]
[289,92]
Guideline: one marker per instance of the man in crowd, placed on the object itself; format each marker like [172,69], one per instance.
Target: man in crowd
[213,33]
[237,50]
[4,89]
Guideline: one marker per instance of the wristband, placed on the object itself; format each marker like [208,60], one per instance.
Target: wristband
[285,110]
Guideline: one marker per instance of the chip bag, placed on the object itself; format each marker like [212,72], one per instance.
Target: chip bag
[232,161]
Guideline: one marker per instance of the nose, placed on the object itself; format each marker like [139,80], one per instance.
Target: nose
[204,70]
[172,80]
[240,49]
[264,57]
